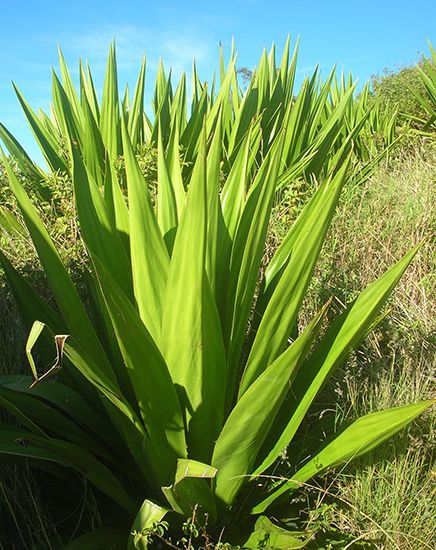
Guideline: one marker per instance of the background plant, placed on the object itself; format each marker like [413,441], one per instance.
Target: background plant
[410,91]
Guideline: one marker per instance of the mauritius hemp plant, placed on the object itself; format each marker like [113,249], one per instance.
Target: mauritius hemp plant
[177,383]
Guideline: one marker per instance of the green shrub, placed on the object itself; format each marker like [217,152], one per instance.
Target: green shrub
[401,90]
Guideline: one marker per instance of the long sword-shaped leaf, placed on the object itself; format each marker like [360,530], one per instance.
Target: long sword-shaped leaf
[363,435]
[23,160]
[65,292]
[99,539]
[87,90]
[65,115]
[282,310]
[11,224]
[213,206]
[191,134]
[20,443]
[282,255]
[122,415]
[110,111]
[166,199]
[162,105]
[94,152]
[344,334]
[46,141]
[243,119]
[135,125]
[175,170]
[221,100]
[191,340]
[98,231]
[32,411]
[235,188]
[250,420]
[178,107]
[151,381]
[246,256]
[68,86]
[116,205]
[68,401]
[149,255]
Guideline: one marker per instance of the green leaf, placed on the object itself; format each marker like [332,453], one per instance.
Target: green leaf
[35,414]
[66,295]
[246,258]
[281,313]
[68,86]
[344,334]
[99,233]
[20,443]
[149,516]
[191,340]
[34,334]
[64,399]
[162,105]
[11,224]
[221,101]
[110,111]
[363,435]
[213,205]
[270,536]
[24,162]
[87,91]
[244,119]
[65,114]
[250,420]
[135,125]
[118,409]
[14,406]
[190,137]
[104,538]
[178,107]
[149,256]
[166,199]
[94,152]
[47,141]
[175,170]
[153,387]
[281,256]
[237,182]
[190,493]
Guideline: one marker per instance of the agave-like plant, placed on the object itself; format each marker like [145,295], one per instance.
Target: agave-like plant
[177,384]
[427,73]
[323,121]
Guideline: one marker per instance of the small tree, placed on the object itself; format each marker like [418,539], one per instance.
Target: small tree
[246,75]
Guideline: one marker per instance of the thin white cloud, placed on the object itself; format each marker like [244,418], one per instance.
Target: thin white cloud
[177,50]
[94,44]
[307,69]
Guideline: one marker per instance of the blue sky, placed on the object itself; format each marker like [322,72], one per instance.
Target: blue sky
[364,37]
